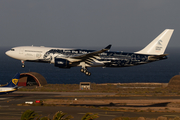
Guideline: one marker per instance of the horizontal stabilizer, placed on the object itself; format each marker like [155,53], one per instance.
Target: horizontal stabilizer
[157,57]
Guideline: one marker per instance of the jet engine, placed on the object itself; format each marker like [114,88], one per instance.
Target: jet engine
[62,63]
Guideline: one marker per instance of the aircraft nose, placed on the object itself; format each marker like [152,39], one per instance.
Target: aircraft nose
[7,53]
[11,54]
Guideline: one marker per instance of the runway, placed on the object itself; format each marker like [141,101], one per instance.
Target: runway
[11,111]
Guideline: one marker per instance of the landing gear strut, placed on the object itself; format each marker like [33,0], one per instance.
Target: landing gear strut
[23,65]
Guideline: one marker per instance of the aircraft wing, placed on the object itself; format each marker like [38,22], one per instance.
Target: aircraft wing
[92,54]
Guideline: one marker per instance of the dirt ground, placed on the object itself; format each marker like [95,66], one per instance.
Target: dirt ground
[127,97]
[121,90]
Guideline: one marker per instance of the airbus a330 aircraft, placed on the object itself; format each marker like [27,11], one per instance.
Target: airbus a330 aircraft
[12,86]
[67,58]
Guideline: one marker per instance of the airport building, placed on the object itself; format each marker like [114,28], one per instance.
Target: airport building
[31,79]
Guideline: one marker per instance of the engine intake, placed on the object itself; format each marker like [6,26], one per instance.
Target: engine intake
[62,63]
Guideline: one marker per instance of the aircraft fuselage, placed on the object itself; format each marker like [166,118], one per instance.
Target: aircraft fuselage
[59,56]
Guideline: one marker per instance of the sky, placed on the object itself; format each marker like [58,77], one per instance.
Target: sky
[87,23]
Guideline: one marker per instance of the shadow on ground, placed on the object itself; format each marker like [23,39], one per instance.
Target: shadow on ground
[121,105]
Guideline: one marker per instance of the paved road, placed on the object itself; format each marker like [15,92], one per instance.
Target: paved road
[10,111]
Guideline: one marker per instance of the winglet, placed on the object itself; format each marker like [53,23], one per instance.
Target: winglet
[108,47]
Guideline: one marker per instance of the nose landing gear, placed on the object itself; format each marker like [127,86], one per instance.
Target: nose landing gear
[23,65]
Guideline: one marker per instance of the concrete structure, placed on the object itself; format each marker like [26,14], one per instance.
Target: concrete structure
[85,85]
[31,78]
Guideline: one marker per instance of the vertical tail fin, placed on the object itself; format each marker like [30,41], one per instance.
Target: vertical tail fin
[14,81]
[159,44]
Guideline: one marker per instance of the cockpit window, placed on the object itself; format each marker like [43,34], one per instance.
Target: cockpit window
[12,50]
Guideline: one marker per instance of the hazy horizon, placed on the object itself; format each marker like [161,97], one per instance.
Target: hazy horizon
[82,23]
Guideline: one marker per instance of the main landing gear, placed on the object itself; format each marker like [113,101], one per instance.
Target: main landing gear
[23,65]
[85,71]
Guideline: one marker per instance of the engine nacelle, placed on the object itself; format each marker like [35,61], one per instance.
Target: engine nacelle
[62,63]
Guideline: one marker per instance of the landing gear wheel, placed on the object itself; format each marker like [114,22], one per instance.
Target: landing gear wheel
[23,66]
[85,71]
[82,70]
[88,73]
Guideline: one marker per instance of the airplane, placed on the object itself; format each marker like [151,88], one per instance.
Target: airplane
[11,86]
[68,57]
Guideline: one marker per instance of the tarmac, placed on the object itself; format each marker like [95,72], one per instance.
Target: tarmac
[11,107]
